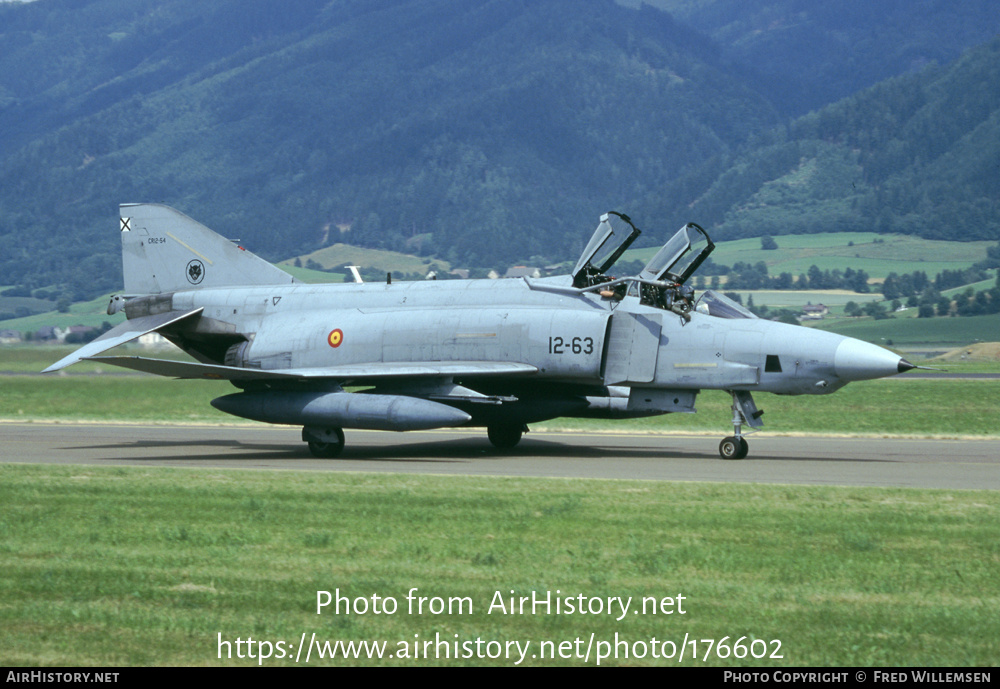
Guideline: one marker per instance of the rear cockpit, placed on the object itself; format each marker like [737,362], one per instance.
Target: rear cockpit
[612,237]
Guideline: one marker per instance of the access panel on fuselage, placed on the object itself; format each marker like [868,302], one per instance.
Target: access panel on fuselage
[633,345]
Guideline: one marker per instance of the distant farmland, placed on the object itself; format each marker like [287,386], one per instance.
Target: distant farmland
[858,250]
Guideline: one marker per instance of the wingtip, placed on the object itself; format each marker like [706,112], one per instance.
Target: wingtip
[62,363]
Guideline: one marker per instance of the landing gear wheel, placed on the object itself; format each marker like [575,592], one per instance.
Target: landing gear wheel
[326,443]
[733,448]
[505,436]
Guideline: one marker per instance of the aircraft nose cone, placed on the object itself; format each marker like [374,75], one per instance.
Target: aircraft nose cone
[857,360]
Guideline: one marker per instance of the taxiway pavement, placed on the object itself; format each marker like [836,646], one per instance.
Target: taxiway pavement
[792,460]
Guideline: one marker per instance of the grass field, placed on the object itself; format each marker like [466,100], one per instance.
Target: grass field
[950,332]
[796,299]
[147,566]
[121,566]
[980,286]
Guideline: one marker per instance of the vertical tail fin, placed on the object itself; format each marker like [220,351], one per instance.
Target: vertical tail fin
[163,250]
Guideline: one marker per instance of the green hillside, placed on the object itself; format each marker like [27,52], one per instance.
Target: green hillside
[913,155]
[92,313]
[374,259]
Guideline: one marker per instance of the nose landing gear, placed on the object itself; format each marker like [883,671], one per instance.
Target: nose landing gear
[734,447]
[744,412]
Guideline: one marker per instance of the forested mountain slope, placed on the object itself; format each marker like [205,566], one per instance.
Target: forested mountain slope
[482,132]
[804,54]
[918,154]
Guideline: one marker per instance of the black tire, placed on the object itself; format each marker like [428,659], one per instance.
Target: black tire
[733,448]
[330,448]
[504,436]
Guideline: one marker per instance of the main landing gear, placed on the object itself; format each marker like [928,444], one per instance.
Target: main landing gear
[505,436]
[325,443]
[744,412]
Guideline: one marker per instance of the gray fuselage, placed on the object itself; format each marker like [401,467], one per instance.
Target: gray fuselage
[581,339]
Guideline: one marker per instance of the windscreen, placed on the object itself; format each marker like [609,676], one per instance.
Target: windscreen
[721,306]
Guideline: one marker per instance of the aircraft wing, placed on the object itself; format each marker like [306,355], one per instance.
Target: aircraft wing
[122,333]
[353,372]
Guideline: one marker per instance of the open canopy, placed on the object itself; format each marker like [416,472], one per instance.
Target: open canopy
[680,256]
[612,237]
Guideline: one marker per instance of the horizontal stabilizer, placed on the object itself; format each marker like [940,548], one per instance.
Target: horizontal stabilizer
[354,372]
[122,333]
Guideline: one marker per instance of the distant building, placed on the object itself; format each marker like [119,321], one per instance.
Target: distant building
[49,332]
[79,334]
[10,336]
[814,312]
[153,341]
[523,272]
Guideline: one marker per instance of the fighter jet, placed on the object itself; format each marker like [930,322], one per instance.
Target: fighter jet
[499,354]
